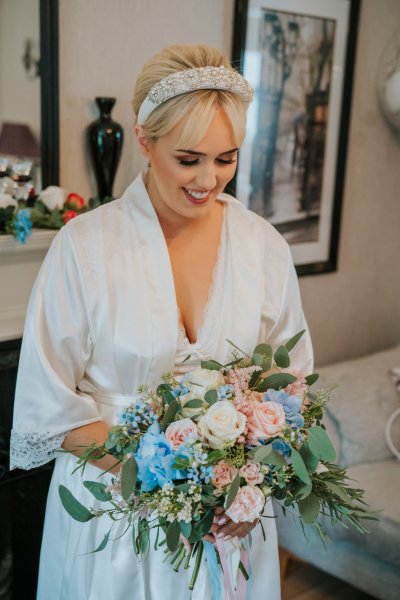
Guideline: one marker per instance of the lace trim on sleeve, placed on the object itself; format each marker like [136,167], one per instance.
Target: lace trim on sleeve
[30,449]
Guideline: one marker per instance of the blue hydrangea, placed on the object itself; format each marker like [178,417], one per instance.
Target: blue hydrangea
[23,225]
[156,459]
[290,404]
[225,392]
[281,447]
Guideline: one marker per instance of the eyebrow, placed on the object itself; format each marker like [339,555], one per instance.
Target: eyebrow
[203,154]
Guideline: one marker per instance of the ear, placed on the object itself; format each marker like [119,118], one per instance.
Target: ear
[143,140]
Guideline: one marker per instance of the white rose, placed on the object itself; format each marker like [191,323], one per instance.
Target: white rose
[222,424]
[201,381]
[7,200]
[53,197]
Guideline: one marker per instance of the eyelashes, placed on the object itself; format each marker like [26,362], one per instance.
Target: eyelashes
[191,163]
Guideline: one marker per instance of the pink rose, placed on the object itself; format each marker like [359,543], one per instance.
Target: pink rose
[223,474]
[251,473]
[180,432]
[266,421]
[247,505]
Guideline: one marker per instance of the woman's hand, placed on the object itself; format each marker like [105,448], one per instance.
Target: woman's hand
[224,528]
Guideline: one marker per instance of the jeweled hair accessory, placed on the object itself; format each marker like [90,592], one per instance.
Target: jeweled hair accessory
[201,78]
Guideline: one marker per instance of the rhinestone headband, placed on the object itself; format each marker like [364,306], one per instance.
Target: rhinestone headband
[201,78]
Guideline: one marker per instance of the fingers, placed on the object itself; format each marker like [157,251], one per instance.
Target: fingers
[232,529]
[209,538]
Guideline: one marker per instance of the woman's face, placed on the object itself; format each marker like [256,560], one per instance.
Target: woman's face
[183,183]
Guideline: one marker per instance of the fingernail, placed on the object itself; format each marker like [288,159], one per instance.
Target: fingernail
[227,537]
[222,521]
[218,535]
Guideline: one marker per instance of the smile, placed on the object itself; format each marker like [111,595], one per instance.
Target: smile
[196,197]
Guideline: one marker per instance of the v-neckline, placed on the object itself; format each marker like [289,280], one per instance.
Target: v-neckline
[211,290]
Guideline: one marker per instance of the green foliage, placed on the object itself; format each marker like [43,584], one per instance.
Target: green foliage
[210,397]
[173,533]
[233,490]
[293,340]
[128,478]
[211,365]
[276,381]
[320,444]
[299,466]
[169,414]
[309,508]
[281,357]
[73,507]
[98,490]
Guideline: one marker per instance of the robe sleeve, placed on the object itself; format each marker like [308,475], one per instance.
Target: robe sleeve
[282,313]
[57,344]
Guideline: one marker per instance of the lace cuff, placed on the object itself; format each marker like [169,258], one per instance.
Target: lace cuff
[30,449]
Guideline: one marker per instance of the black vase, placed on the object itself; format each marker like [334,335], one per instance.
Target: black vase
[105,141]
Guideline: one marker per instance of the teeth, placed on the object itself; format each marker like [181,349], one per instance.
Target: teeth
[197,195]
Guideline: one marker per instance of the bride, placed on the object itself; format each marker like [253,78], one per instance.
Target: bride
[175,267]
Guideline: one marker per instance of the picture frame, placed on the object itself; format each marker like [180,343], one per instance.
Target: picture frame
[298,55]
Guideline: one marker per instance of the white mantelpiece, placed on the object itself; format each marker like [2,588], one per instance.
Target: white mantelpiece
[19,265]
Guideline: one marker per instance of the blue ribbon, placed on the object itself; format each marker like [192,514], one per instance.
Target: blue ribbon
[213,570]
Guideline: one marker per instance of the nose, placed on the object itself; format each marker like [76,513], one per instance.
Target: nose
[206,177]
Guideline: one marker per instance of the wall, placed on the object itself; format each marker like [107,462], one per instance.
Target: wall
[357,309]
[102,47]
[19,96]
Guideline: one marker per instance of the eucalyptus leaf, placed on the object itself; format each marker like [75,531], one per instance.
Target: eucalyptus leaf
[204,525]
[233,490]
[308,457]
[293,341]
[169,414]
[262,452]
[211,396]
[310,379]
[299,466]
[73,507]
[144,536]
[173,533]
[274,458]
[186,528]
[211,365]
[309,508]
[103,543]
[265,352]
[128,478]
[195,403]
[320,444]
[276,381]
[304,490]
[98,490]
[281,357]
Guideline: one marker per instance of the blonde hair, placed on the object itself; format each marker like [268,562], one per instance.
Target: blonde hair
[200,104]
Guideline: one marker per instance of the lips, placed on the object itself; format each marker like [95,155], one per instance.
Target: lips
[196,197]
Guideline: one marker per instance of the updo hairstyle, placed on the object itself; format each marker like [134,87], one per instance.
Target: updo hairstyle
[200,104]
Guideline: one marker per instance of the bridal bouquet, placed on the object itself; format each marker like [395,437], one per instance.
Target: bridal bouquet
[231,436]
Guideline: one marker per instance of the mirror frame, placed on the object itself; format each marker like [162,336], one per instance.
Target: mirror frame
[49,92]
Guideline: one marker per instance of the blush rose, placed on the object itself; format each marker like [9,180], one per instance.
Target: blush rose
[251,473]
[180,432]
[247,505]
[266,421]
[223,474]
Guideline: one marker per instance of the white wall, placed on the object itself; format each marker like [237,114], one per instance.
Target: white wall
[103,45]
[19,97]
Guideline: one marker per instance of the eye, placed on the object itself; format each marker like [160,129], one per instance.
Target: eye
[230,161]
[188,163]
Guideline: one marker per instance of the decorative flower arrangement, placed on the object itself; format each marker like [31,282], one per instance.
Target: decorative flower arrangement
[50,209]
[232,436]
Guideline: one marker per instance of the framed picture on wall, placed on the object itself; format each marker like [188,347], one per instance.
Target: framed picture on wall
[298,55]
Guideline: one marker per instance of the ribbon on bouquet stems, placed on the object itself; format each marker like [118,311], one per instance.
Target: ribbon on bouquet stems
[231,554]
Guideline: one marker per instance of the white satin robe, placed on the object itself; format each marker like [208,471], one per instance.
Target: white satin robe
[103,319]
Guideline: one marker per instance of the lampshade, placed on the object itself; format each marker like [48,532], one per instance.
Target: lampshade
[17,139]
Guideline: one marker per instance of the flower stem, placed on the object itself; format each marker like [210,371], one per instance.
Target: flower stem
[196,565]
